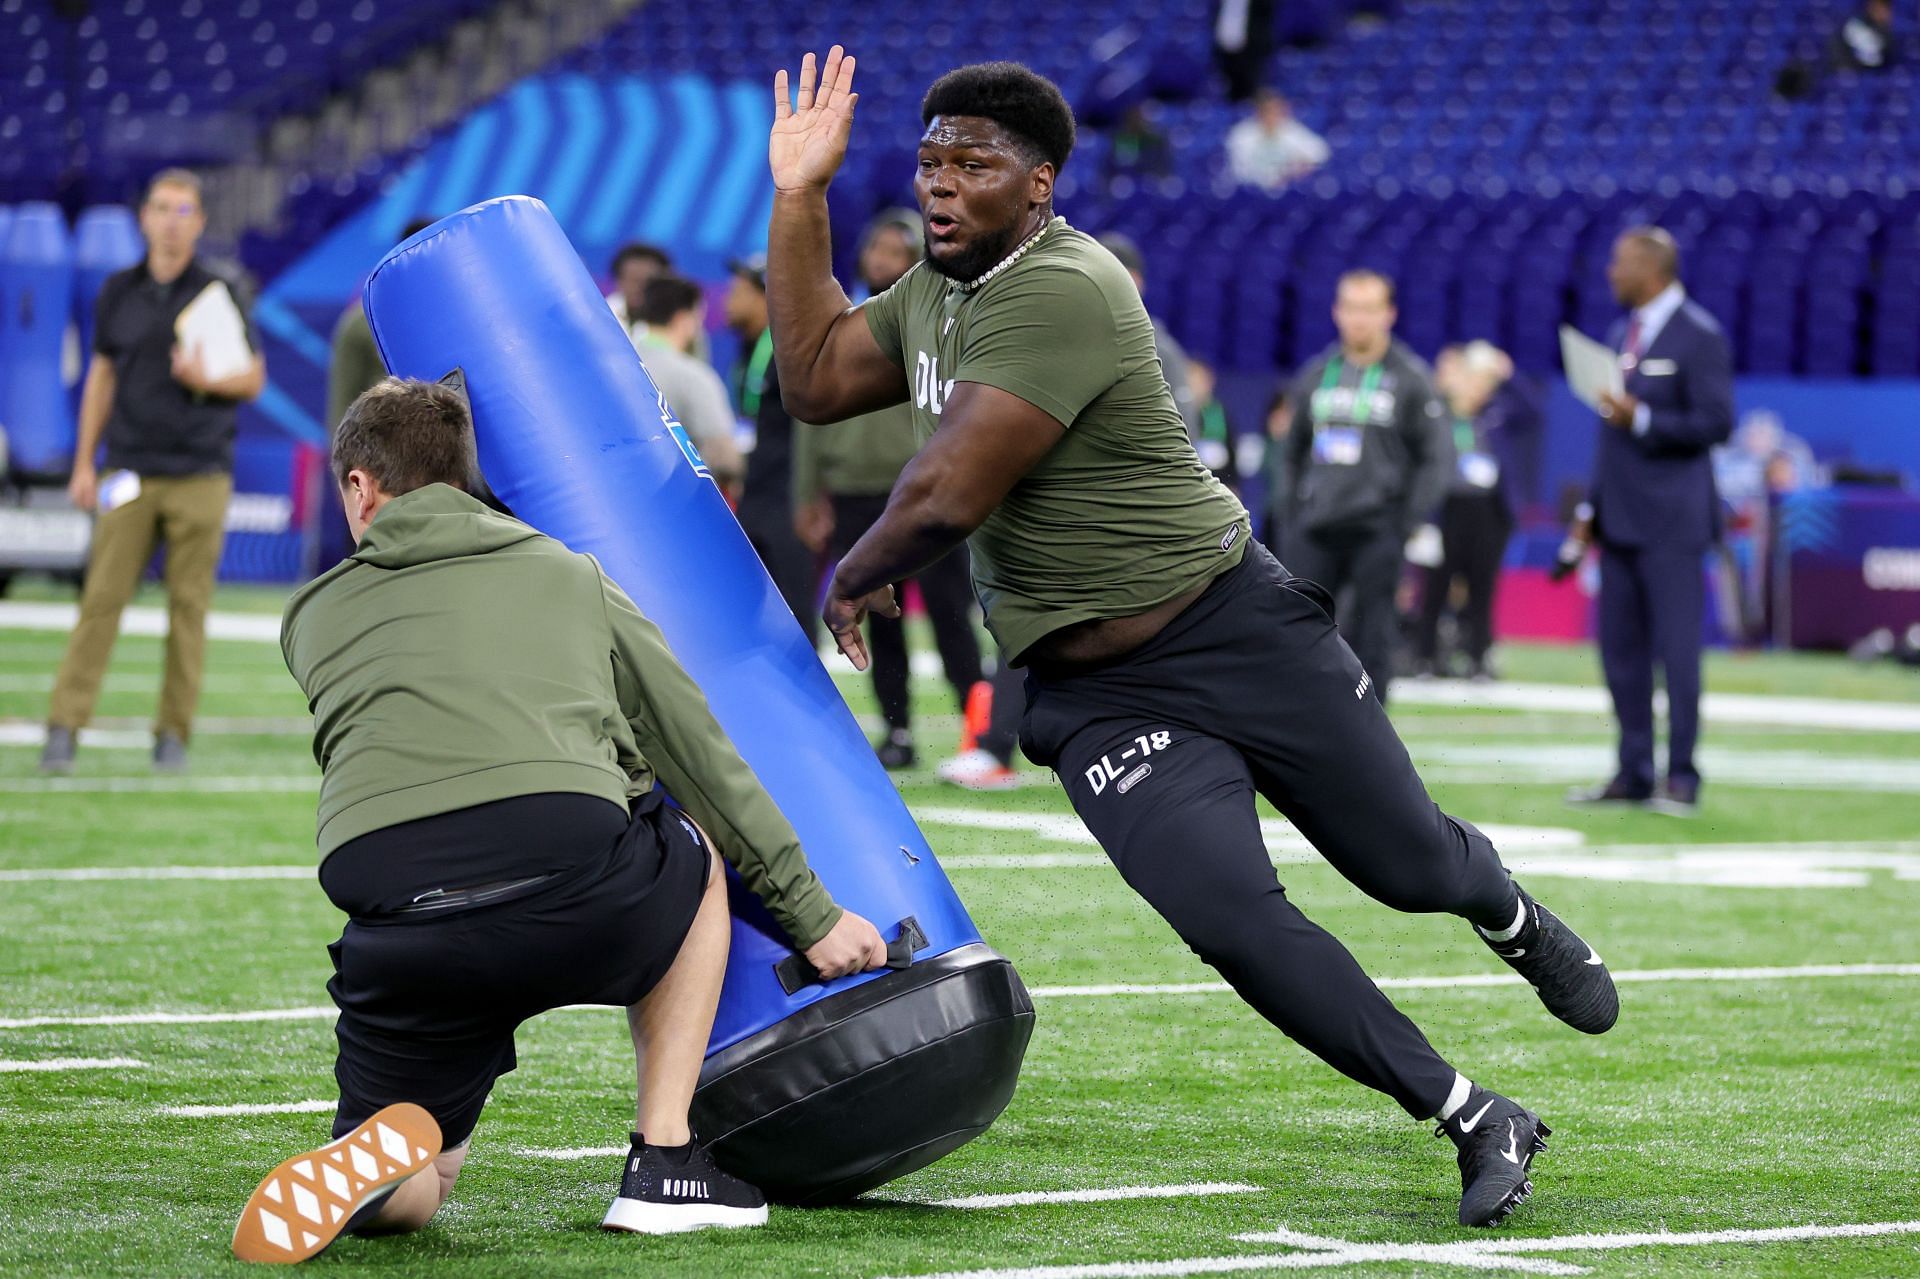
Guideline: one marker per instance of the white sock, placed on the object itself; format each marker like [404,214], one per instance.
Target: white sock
[1519,922]
[1457,1098]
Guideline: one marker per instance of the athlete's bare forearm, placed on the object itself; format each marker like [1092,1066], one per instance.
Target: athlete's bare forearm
[804,301]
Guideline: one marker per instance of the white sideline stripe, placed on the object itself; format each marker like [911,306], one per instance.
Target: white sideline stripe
[142,620]
[314,1107]
[1318,1253]
[571,1152]
[142,785]
[68,1063]
[88,873]
[1046,992]
[1108,1194]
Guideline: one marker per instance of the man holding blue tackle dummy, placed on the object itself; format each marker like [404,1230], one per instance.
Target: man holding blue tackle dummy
[1174,668]
[494,720]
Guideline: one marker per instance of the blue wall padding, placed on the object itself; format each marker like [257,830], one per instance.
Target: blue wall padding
[105,239]
[36,289]
[576,440]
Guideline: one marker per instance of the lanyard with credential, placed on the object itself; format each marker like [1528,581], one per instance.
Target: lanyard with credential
[1463,441]
[754,384]
[1363,396]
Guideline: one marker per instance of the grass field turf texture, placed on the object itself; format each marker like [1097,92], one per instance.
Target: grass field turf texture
[1720,1103]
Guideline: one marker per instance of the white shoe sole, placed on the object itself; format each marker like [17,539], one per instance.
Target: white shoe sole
[638,1217]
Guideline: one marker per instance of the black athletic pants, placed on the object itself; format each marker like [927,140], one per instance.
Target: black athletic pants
[1251,689]
[1360,567]
[947,590]
[794,569]
[1474,528]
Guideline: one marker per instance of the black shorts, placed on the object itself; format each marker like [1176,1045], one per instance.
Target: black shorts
[572,901]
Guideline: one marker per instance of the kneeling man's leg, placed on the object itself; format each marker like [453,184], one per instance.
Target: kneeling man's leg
[669,1183]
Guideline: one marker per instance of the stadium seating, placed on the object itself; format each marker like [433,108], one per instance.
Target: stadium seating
[1486,152]
[134,82]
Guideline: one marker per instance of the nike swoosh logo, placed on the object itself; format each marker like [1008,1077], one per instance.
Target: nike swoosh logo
[1512,1153]
[1511,954]
[1468,1125]
[1592,956]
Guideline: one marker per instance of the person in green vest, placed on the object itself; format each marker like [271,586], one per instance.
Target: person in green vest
[841,478]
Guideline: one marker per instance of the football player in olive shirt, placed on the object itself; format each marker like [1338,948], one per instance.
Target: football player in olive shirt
[1174,668]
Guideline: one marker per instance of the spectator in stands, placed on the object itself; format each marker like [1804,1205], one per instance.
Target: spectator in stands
[169,431]
[672,314]
[766,495]
[633,266]
[1476,518]
[1655,514]
[1139,149]
[1366,463]
[1173,357]
[1242,39]
[356,363]
[1271,148]
[842,475]
[1865,41]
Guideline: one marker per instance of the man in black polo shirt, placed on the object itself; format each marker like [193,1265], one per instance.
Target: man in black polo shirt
[169,432]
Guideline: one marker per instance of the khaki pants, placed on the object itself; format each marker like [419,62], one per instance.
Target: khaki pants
[189,514]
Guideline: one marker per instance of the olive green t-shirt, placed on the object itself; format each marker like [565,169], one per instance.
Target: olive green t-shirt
[1121,515]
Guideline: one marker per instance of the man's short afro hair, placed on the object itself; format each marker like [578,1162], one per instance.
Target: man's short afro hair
[1018,99]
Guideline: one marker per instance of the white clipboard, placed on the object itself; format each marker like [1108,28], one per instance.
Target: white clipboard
[211,326]
[1592,367]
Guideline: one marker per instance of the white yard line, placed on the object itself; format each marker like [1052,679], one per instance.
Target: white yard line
[1316,1252]
[315,1107]
[1715,708]
[140,620]
[1477,980]
[571,1152]
[1457,761]
[1281,837]
[127,735]
[1726,708]
[62,1064]
[1107,1194]
[91,873]
[171,1019]
[317,1013]
[151,785]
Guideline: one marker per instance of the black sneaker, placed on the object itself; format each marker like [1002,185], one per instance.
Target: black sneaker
[896,750]
[56,758]
[665,1190]
[1497,1140]
[169,754]
[1563,970]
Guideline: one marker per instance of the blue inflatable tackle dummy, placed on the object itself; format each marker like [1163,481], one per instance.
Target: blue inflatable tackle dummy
[815,1092]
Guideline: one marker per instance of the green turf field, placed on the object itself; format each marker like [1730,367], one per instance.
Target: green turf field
[1785,1102]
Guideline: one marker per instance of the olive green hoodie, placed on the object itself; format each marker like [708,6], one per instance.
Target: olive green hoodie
[459,657]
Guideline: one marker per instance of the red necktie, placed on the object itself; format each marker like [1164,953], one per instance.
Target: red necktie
[1632,345]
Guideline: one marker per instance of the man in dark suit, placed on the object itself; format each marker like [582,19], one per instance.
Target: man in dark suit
[1656,513]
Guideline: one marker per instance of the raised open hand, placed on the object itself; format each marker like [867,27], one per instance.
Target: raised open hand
[809,140]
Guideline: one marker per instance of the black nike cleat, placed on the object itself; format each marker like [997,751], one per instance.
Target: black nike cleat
[1497,1140]
[1565,971]
[664,1191]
